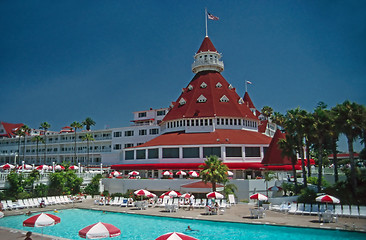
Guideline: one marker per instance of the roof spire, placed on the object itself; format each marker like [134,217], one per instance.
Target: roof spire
[207,58]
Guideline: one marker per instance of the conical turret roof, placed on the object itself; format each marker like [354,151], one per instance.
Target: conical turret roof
[209,95]
[248,101]
[207,46]
[273,154]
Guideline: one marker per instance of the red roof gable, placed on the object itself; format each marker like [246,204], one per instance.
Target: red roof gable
[273,155]
[212,107]
[262,126]
[207,46]
[11,128]
[220,136]
[248,101]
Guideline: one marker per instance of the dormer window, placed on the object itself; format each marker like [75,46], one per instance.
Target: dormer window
[190,87]
[241,101]
[224,99]
[230,86]
[218,85]
[203,85]
[201,99]
[182,101]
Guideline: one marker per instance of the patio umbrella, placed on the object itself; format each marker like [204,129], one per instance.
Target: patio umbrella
[73,167]
[115,173]
[183,173]
[59,167]
[142,192]
[43,167]
[151,195]
[133,173]
[186,195]
[175,236]
[193,173]
[214,195]
[26,167]
[7,166]
[99,230]
[41,220]
[259,197]
[171,194]
[229,173]
[327,199]
[167,173]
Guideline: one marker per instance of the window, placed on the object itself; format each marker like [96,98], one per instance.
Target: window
[265,150]
[153,153]
[212,151]
[117,134]
[233,152]
[117,146]
[191,152]
[142,114]
[252,152]
[203,85]
[182,101]
[127,145]
[129,133]
[141,154]
[224,99]
[138,144]
[160,113]
[142,132]
[129,155]
[170,152]
[201,99]
[218,85]
[154,131]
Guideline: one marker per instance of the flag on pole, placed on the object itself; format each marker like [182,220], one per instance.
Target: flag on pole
[249,82]
[212,17]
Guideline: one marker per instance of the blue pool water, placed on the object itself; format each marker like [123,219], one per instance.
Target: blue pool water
[149,227]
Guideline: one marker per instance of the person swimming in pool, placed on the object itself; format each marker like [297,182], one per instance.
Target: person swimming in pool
[190,229]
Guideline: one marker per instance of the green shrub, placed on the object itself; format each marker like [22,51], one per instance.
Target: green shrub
[307,196]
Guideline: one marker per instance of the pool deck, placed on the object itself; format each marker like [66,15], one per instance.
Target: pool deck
[238,213]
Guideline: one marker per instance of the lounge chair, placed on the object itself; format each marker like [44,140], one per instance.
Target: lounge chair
[354,211]
[197,203]
[300,208]
[307,209]
[362,211]
[50,201]
[346,211]
[124,202]
[338,210]
[26,203]
[12,205]
[231,199]
[54,200]
[20,203]
[115,201]
[293,208]
[33,202]
[315,209]
[130,202]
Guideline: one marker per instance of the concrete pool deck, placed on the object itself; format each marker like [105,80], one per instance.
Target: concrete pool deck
[238,213]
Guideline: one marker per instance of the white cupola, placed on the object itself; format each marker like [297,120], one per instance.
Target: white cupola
[207,58]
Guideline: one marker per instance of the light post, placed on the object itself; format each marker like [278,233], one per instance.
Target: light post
[22,166]
[53,167]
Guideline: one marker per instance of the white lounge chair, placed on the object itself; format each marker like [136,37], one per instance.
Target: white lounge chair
[197,203]
[124,202]
[231,199]
[354,211]
[300,208]
[11,204]
[54,200]
[115,201]
[346,211]
[293,208]
[20,203]
[362,211]
[307,209]
[338,210]
[315,209]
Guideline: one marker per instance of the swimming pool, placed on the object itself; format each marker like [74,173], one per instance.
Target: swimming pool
[149,227]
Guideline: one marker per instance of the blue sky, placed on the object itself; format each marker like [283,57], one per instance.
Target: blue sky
[64,61]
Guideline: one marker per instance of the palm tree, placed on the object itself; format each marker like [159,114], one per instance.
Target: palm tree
[88,122]
[334,135]
[267,111]
[349,120]
[88,137]
[214,171]
[278,119]
[45,126]
[37,139]
[322,127]
[288,150]
[75,125]
[26,131]
[309,137]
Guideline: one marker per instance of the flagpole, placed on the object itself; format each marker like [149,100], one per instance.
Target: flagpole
[206,21]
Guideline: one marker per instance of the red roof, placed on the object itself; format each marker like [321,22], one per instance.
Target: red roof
[219,136]
[248,101]
[10,128]
[273,154]
[262,126]
[195,166]
[207,46]
[212,107]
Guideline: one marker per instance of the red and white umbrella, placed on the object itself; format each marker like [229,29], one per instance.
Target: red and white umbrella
[167,173]
[186,195]
[73,167]
[133,173]
[42,220]
[7,166]
[59,167]
[115,173]
[175,236]
[43,167]
[26,167]
[215,195]
[193,173]
[151,195]
[171,194]
[141,192]
[183,173]
[259,197]
[99,230]
[327,199]
[274,188]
